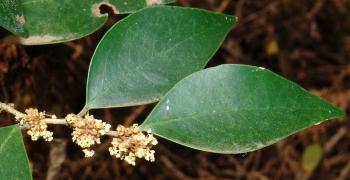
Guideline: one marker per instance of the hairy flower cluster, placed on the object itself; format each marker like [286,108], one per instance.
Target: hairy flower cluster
[37,127]
[131,143]
[87,131]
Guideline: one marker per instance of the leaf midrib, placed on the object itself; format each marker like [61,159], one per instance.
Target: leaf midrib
[198,115]
[7,139]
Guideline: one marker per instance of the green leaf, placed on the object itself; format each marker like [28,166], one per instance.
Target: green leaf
[53,21]
[235,109]
[11,16]
[144,55]
[14,162]
[311,157]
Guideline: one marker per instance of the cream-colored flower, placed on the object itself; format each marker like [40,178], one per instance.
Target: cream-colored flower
[88,152]
[131,143]
[37,127]
[87,131]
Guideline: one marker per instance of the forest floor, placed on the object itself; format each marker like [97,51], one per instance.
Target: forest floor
[307,42]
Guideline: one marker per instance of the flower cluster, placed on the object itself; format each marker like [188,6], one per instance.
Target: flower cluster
[87,131]
[128,143]
[37,127]
[131,143]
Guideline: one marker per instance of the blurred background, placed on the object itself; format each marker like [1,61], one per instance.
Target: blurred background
[306,41]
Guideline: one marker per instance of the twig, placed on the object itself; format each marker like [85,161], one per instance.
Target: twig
[112,133]
[223,5]
[56,121]
[345,172]
[57,157]
[131,118]
[169,165]
[335,139]
[10,109]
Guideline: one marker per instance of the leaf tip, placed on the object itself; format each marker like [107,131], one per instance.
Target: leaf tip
[337,112]
[232,20]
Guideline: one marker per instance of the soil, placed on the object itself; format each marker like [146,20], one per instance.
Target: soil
[307,42]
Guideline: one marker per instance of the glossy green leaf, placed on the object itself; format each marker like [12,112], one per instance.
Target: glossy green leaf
[11,16]
[14,162]
[311,157]
[235,109]
[53,21]
[144,55]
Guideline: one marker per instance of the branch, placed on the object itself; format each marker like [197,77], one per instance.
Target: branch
[10,109]
[87,131]
[56,121]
